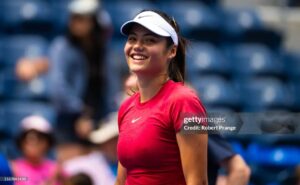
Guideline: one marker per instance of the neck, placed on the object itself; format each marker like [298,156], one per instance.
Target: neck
[149,86]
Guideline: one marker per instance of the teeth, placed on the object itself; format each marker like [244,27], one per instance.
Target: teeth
[138,57]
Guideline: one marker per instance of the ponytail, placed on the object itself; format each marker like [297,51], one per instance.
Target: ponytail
[176,69]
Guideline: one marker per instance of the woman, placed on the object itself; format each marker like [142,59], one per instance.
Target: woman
[78,72]
[153,147]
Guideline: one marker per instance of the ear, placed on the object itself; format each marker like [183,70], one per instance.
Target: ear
[172,52]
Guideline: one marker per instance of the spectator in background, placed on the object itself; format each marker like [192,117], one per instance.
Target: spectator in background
[35,141]
[101,163]
[78,73]
[79,179]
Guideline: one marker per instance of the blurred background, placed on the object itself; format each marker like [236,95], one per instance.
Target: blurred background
[244,57]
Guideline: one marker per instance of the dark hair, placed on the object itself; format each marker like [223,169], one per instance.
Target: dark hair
[49,137]
[80,179]
[176,69]
[95,55]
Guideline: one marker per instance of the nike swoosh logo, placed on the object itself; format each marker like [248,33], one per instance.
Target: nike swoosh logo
[142,16]
[135,120]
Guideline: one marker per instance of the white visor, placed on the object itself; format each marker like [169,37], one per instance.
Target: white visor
[153,22]
[83,7]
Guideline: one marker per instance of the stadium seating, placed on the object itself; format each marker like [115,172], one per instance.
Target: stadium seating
[1,84]
[1,51]
[205,58]
[245,25]
[238,21]
[2,123]
[269,160]
[13,88]
[15,111]
[27,16]
[291,64]
[259,94]
[216,91]
[124,11]
[61,15]
[249,60]
[295,89]
[196,20]
[18,46]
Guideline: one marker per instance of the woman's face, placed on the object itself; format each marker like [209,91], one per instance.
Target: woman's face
[81,25]
[147,52]
[34,146]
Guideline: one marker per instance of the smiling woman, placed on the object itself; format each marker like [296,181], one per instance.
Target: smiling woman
[146,52]
[151,147]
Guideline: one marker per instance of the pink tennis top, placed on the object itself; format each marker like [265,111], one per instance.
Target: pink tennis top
[147,145]
[35,174]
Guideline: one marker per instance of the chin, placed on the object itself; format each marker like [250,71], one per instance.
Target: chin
[137,68]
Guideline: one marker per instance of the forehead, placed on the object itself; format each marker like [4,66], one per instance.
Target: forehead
[140,30]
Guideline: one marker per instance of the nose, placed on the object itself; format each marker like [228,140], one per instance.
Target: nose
[138,46]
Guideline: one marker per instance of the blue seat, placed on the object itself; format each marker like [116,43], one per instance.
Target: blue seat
[216,91]
[61,15]
[3,123]
[18,46]
[1,51]
[16,111]
[291,62]
[238,21]
[259,94]
[124,11]
[204,58]
[27,16]
[13,88]
[295,89]
[272,164]
[196,20]
[2,76]
[245,25]
[250,60]
[274,155]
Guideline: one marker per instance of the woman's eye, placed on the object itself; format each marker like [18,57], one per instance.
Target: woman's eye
[150,40]
[131,39]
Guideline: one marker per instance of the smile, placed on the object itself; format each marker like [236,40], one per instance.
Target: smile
[138,57]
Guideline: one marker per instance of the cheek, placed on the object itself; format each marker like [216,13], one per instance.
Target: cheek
[126,50]
[159,56]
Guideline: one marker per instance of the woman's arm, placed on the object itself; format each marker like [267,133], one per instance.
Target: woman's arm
[193,153]
[121,177]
